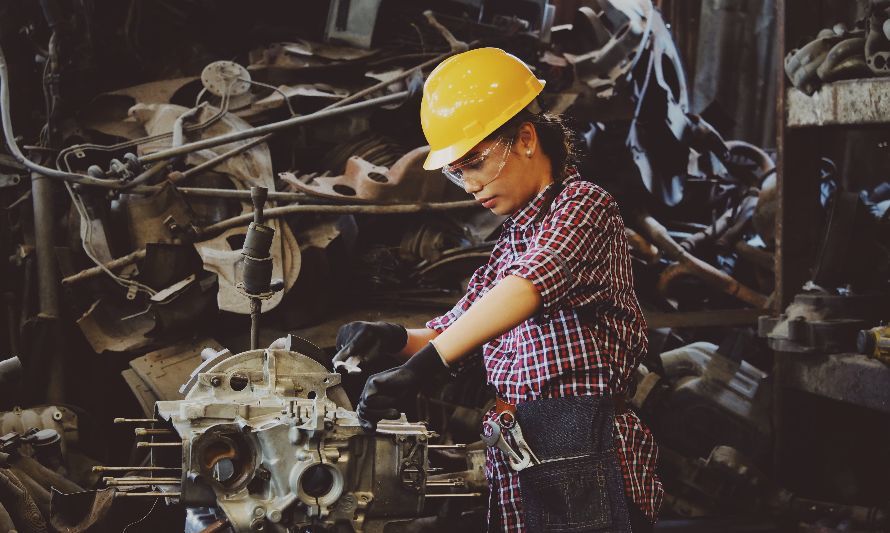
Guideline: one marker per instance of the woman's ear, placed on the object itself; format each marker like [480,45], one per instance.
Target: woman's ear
[527,139]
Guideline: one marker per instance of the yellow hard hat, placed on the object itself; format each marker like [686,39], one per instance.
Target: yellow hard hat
[468,96]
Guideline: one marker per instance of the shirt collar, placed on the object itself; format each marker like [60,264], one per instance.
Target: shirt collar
[540,203]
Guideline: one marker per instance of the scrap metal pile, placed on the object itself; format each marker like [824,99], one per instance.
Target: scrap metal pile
[844,53]
[141,129]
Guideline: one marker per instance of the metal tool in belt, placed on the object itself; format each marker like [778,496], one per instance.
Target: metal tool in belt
[519,454]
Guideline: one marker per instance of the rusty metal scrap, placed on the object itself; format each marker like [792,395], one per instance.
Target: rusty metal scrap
[688,263]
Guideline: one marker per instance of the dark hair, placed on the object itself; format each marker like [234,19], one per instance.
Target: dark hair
[557,139]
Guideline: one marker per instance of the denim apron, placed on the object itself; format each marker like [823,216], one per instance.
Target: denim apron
[578,485]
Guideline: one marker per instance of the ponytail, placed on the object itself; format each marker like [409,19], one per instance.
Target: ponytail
[557,139]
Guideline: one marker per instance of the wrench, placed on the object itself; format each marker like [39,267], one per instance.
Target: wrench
[496,439]
[508,421]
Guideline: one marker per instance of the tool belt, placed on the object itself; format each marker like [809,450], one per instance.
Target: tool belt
[619,405]
[574,482]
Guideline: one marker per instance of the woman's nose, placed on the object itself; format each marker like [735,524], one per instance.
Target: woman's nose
[471,186]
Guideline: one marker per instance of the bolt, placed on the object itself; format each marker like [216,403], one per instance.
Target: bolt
[258,512]
[216,381]
[275,515]
[57,415]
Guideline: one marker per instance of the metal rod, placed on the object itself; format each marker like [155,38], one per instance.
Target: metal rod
[459,495]
[139,483]
[92,272]
[134,468]
[269,128]
[158,444]
[234,222]
[255,309]
[149,431]
[446,446]
[140,478]
[274,212]
[232,193]
[134,420]
[214,161]
[455,483]
[148,494]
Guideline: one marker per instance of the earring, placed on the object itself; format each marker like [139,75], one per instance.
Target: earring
[528,152]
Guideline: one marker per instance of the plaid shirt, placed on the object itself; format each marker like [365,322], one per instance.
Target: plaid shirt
[576,255]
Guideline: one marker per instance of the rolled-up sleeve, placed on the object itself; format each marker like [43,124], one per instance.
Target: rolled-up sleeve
[568,258]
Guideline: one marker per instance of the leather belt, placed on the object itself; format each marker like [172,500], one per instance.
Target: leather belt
[618,402]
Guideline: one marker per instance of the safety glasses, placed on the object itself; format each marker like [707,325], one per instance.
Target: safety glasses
[476,168]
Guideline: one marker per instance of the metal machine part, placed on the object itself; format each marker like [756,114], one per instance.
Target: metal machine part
[61,420]
[615,33]
[269,439]
[822,323]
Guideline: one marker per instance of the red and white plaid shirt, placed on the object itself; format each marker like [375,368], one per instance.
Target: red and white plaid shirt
[577,257]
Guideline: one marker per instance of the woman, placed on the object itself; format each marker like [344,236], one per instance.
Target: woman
[553,309]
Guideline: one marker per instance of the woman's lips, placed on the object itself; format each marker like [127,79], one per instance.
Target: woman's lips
[488,203]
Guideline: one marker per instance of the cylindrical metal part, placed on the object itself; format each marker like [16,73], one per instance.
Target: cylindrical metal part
[149,431]
[257,274]
[47,279]
[134,420]
[258,241]
[258,195]
[256,306]
[47,444]
[158,444]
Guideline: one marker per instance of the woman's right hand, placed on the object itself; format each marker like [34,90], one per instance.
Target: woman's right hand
[360,342]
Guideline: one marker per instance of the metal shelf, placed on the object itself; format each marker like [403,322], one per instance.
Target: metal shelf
[842,103]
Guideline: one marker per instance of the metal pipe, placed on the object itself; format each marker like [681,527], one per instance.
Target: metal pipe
[9,135]
[147,431]
[269,128]
[219,227]
[212,163]
[147,494]
[687,262]
[47,366]
[92,272]
[274,212]
[158,444]
[135,420]
[140,478]
[139,483]
[447,446]
[133,468]
[255,309]
[42,201]
[241,194]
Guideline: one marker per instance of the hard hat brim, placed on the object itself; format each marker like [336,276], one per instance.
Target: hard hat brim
[441,157]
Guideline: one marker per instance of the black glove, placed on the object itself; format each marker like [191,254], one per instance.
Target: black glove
[384,390]
[368,341]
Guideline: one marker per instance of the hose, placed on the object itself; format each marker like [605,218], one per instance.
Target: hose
[20,157]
